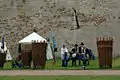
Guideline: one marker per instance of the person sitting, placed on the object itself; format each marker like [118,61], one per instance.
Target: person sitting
[17,63]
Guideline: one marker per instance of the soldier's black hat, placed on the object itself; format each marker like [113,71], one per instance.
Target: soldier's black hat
[76,44]
[82,43]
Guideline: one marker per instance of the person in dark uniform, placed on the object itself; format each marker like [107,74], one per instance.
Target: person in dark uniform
[73,57]
[73,54]
[82,51]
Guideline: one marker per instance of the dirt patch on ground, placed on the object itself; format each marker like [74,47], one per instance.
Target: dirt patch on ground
[58,72]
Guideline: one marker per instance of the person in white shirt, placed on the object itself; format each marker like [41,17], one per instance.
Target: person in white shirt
[64,55]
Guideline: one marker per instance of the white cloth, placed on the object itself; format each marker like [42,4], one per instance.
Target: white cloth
[74,55]
[63,50]
[83,50]
[5,48]
[2,50]
[49,52]
[82,53]
[8,56]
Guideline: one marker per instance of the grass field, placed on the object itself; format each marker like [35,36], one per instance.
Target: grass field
[94,65]
[59,77]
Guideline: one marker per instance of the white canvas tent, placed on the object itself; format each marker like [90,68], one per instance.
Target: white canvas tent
[8,55]
[36,37]
[33,36]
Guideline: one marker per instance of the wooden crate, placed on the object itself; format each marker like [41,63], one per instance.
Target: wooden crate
[105,47]
[26,57]
[39,54]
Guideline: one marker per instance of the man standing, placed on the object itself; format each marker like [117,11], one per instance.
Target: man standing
[82,51]
[74,53]
[64,56]
[3,51]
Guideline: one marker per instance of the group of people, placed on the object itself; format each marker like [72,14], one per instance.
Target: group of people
[78,52]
